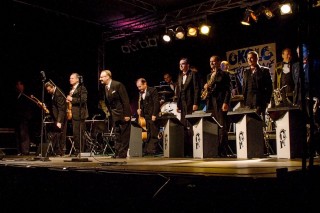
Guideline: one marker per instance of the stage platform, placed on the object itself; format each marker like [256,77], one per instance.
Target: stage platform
[158,184]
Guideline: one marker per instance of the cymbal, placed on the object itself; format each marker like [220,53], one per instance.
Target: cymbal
[164,92]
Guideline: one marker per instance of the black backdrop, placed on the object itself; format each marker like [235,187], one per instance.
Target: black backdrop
[34,40]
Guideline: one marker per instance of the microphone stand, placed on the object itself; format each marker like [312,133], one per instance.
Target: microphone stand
[41,157]
[79,159]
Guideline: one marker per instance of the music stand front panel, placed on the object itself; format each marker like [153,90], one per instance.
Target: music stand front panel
[249,137]
[205,138]
[173,139]
[289,135]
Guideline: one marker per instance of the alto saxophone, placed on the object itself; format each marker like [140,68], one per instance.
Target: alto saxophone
[205,91]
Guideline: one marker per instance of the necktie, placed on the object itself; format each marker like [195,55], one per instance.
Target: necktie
[107,90]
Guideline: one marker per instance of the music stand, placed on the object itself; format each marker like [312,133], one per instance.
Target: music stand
[41,158]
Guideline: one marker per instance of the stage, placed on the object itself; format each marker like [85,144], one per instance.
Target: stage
[158,184]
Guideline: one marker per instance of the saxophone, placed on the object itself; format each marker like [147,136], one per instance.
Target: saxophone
[205,91]
[277,96]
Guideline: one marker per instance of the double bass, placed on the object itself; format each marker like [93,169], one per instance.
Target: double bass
[69,108]
[142,122]
[69,111]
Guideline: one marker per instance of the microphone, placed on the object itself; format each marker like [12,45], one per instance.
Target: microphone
[43,75]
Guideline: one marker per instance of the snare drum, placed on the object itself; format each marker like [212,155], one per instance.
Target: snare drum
[170,107]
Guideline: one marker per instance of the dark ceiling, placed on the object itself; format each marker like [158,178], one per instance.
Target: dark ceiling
[121,18]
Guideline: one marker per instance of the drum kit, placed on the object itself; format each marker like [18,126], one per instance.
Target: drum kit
[168,100]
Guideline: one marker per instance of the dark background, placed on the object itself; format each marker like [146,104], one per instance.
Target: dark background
[34,40]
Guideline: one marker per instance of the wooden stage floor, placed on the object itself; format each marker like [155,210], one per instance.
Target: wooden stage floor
[157,184]
[226,167]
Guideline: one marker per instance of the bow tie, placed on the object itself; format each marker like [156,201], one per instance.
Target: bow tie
[285,62]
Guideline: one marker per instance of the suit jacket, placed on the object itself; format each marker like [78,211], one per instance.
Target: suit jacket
[117,101]
[151,104]
[264,86]
[59,106]
[80,94]
[190,90]
[221,88]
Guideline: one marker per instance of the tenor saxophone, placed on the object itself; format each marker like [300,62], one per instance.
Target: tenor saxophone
[205,91]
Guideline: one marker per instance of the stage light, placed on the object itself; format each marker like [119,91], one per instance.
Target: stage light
[246,18]
[204,29]
[247,15]
[168,36]
[125,49]
[152,42]
[192,31]
[180,34]
[268,13]
[285,8]
[143,43]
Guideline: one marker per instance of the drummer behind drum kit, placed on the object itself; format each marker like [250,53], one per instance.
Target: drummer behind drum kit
[169,107]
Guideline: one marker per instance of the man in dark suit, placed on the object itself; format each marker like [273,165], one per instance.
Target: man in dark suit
[23,119]
[283,82]
[78,98]
[117,101]
[59,116]
[149,110]
[257,85]
[188,98]
[218,89]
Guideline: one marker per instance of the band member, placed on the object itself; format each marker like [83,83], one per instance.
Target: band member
[283,81]
[188,98]
[59,116]
[78,98]
[117,101]
[257,85]
[218,93]
[149,110]
[23,119]
[169,94]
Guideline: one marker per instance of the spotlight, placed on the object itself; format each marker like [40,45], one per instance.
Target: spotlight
[166,38]
[125,49]
[143,43]
[152,42]
[269,12]
[204,29]
[285,8]
[192,31]
[169,34]
[180,34]
[247,15]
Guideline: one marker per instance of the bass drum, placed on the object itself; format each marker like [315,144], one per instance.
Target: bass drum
[170,107]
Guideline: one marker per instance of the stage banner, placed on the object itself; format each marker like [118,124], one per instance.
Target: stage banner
[238,58]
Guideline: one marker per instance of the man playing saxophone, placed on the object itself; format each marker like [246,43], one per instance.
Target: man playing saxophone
[217,93]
